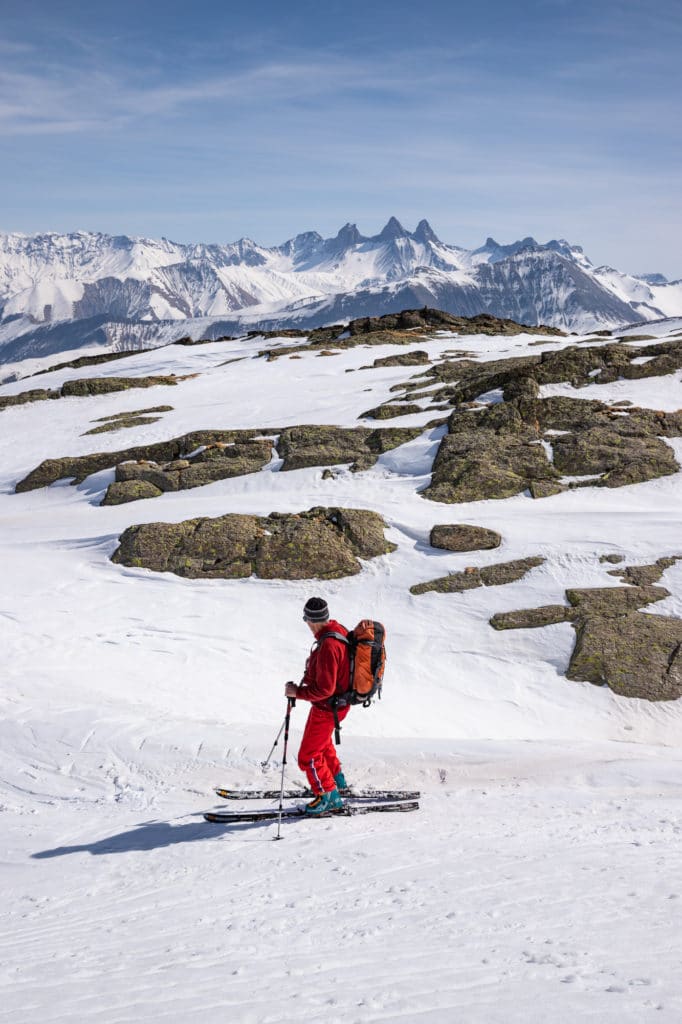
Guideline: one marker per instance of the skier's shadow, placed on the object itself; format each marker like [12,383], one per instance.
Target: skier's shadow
[152,835]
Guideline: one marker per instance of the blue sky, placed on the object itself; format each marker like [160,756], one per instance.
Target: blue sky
[221,119]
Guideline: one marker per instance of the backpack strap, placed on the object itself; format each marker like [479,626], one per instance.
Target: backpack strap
[335,701]
[335,636]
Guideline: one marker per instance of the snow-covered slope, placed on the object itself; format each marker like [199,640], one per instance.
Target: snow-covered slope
[539,881]
[308,281]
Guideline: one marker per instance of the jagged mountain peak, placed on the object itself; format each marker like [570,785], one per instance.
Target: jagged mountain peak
[348,235]
[425,233]
[392,229]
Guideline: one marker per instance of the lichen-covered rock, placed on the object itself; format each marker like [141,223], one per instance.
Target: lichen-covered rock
[622,458]
[472,465]
[545,488]
[149,471]
[322,543]
[34,395]
[613,559]
[417,357]
[107,385]
[390,411]
[612,602]
[643,575]
[126,420]
[488,576]
[463,537]
[122,423]
[121,492]
[508,572]
[232,453]
[313,445]
[636,654]
[532,618]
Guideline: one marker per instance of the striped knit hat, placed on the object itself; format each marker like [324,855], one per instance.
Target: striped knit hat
[315,610]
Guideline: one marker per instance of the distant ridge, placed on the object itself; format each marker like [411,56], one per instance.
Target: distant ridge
[63,292]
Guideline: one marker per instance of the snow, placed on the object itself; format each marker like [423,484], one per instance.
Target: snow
[543,868]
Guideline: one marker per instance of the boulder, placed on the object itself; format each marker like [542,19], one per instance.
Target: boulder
[314,445]
[463,537]
[322,543]
[121,492]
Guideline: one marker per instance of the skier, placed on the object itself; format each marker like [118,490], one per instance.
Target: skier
[326,675]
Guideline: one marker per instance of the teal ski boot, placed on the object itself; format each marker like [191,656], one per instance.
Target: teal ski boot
[325,803]
[340,780]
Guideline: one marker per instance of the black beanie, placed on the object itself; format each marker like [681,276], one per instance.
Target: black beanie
[316,610]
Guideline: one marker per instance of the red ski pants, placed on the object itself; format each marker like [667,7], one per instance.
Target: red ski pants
[317,755]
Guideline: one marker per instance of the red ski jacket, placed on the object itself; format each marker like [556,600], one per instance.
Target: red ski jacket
[327,670]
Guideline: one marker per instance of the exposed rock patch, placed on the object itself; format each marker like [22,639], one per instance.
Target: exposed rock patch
[225,453]
[417,357]
[218,461]
[90,386]
[497,451]
[313,445]
[402,328]
[76,364]
[462,537]
[125,420]
[390,411]
[489,576]
[34,395]
[635,654]
[644,575]
[322,543]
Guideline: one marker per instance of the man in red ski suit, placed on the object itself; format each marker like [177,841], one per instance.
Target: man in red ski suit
[327,674]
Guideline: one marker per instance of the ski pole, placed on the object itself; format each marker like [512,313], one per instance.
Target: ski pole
[264,764]
[291,702]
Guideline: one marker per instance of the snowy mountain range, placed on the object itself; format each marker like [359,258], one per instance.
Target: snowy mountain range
[62,292]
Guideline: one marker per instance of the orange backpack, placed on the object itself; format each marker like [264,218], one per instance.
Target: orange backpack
[367,652]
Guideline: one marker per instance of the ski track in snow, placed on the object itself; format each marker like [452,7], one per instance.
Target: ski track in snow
[541,879]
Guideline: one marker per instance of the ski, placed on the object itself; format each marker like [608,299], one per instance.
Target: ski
[305,794]
[272,814]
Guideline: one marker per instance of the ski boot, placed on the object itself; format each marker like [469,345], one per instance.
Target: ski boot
[325,803]
[340,780]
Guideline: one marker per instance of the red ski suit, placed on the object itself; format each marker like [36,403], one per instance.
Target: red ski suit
[327,674]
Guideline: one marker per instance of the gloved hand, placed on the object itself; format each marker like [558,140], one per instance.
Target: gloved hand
[290,690]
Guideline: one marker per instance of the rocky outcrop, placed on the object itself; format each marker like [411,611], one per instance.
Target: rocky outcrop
[437,319]
[617,645]
[488,576]
[218,461]
[34,395]
[90,386]
[402,329]
[463,537]
[491,454]
[322,543]
[313,445]
[300,447]
[501,450]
